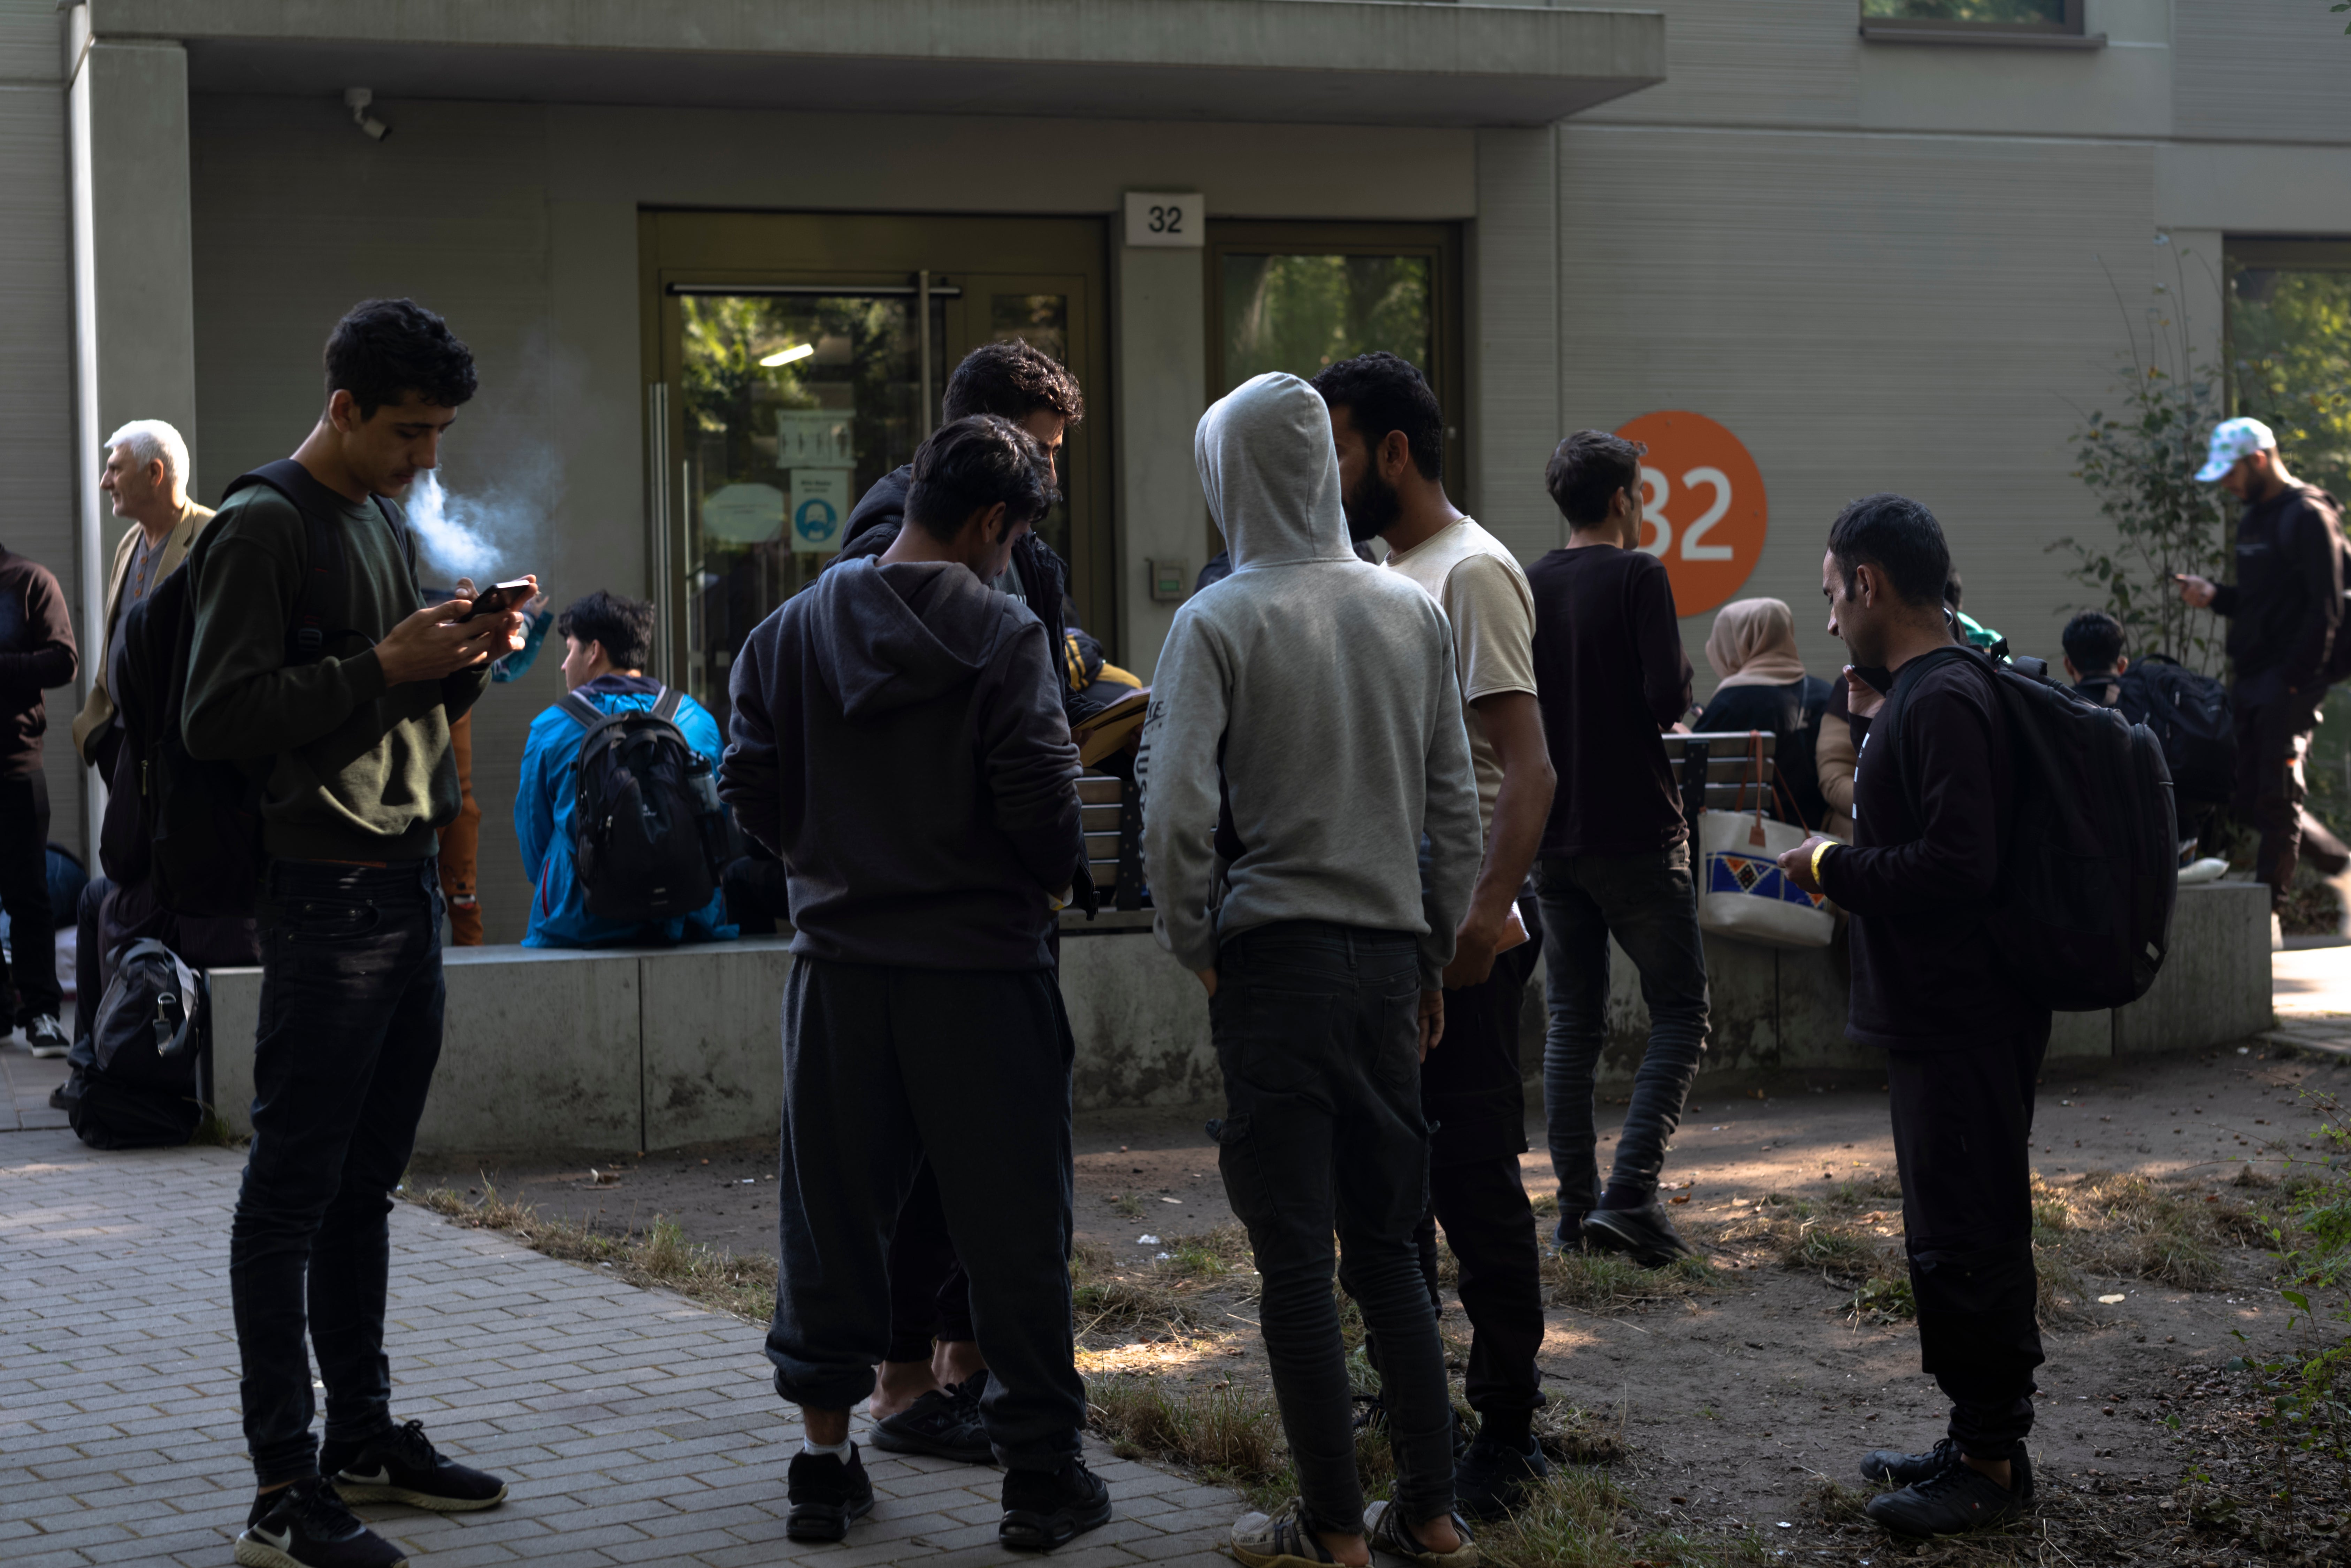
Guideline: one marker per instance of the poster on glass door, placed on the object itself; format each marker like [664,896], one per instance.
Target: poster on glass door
[820,502]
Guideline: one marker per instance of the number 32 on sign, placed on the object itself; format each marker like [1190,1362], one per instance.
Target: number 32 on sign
[1702,507]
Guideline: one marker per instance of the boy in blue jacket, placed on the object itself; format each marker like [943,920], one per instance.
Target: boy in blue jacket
[606,641]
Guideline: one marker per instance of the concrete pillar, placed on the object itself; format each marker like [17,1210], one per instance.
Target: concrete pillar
[134,295]
[1514,325]
[1160,362]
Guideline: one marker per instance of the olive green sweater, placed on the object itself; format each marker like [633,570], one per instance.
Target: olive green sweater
[357,770]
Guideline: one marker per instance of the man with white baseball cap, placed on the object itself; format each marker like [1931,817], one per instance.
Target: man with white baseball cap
[2285,611]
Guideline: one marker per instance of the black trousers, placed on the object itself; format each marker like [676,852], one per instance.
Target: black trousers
[1473,1093]
[930,1295]
[1316,1038]
[32,965]
[2274,730]
[1962,1131]
[352,1003]
[968,1070]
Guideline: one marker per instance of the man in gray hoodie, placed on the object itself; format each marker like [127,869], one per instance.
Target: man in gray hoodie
[1305,735]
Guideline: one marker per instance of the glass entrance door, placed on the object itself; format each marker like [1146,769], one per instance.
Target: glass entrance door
[788,388]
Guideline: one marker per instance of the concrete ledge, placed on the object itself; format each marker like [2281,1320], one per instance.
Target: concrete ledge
[654,1048]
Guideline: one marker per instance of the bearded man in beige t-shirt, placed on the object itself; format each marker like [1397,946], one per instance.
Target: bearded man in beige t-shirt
[1390,435]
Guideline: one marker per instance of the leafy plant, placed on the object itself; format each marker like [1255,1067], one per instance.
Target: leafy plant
[2141,464]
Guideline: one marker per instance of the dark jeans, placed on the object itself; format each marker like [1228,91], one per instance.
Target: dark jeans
[32,965]
[1963,1124]
[1648,903]
[1316,1030]
[930,1295]
[352,1000]
[969,1068]
[2274,732]
[1473,1094]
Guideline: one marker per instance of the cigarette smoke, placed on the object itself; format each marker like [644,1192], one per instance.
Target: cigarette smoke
[491,533]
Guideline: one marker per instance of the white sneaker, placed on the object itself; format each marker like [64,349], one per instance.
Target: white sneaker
[45,1039]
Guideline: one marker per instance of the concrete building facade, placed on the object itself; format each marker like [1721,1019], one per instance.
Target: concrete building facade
[1878,258]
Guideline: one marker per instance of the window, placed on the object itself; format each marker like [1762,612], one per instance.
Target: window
[2289,350]
[1297,296]
[2055,22]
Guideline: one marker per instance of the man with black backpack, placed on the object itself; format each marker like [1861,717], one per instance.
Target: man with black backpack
[2285,611]
[1935,812]
[609,877]
[312,668]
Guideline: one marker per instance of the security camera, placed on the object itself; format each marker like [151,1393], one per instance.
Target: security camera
[355,99]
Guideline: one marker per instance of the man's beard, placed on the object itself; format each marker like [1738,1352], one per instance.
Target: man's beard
[1373,507]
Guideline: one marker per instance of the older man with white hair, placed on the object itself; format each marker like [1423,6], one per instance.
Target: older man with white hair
[146,478]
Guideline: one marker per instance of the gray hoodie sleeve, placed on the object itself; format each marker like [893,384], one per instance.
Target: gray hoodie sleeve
[1190,702]
[1456,841]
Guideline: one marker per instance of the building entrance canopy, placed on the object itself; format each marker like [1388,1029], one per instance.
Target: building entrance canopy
[1389,62]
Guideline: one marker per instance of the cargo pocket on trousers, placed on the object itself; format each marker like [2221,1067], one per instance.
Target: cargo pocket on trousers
[1237,1162]
[1395,1053]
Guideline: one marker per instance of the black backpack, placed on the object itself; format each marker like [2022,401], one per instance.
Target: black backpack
[648,834]
[201,819]
[152,1031]
[2082,906]
[2192,720]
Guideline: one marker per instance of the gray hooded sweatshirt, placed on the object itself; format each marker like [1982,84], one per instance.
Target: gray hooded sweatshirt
[1323,690]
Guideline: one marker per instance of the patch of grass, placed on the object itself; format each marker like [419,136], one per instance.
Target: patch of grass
[1884,1299]
[1128,1204]
[1223,1434]
[214,1132]
[1841,1252]
[1572,1435]
[742,1287]
[1599,1281]
[2124,1224]
[1129,1306]
[1581,1518]
[1832,1502]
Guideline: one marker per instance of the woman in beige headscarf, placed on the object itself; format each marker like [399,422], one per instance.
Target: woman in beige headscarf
[1753,649]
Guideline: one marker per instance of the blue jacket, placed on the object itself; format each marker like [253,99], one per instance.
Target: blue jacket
[548,797]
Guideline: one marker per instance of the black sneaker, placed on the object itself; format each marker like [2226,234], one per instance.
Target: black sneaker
[1045,1509]
[1908,1469]
[402,1466]
[1954,1500]
[305,1525]
[1645,1232]
[1490,1478]
[827,1495]
[46,1038]
[937,1423]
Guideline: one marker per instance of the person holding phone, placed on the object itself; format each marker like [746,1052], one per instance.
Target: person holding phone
[1934,806]
[2285,611]
[354,749]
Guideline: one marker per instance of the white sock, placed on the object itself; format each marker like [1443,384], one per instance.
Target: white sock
[837,1450]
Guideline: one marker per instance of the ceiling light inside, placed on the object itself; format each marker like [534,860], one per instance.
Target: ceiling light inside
[797,351]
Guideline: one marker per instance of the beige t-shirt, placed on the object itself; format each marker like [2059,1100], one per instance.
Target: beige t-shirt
[1478,583]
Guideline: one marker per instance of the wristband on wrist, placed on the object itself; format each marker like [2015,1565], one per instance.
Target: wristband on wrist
[1820,850]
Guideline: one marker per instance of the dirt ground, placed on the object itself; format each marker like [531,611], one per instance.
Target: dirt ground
[1733,1392]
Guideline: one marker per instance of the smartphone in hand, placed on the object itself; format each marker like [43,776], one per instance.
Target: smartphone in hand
[502,597]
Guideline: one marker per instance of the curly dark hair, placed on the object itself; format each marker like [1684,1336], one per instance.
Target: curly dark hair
[1012,381]
[1586,471]
[1901,539]
[382,349]
[971,463]
[1381,393]
[623,626]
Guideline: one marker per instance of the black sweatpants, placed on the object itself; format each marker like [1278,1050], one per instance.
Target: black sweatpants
[1473,1093]
[2274,730]
[930,1295]
[884,1068]
[1962,1131]
[32,965]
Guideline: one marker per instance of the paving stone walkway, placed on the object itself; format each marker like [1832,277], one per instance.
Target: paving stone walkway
[633,1426]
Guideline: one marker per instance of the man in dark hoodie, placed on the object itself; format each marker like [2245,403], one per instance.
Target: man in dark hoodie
[897,741]
[928,1401]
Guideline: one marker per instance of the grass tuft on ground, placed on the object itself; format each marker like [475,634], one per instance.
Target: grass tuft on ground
[1606,1281]
[1583,1518]
[742,1287]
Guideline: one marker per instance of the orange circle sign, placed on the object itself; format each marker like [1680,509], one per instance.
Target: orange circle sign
[1702,507]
